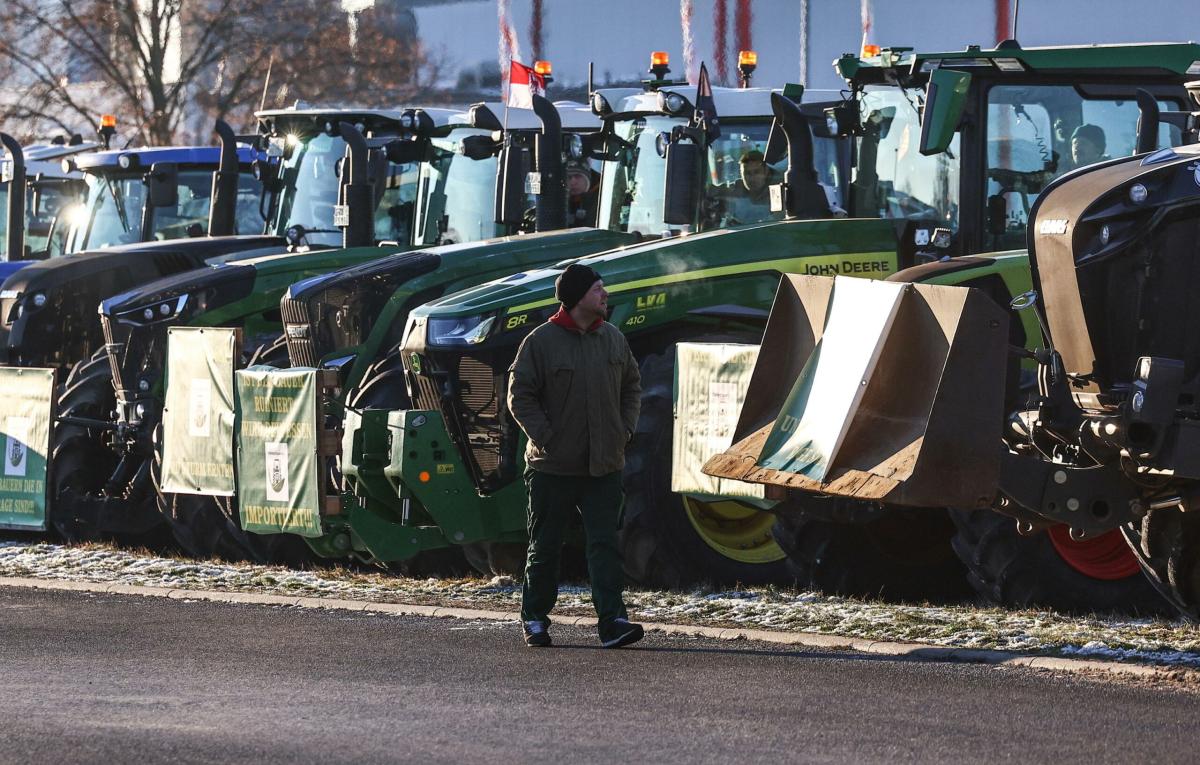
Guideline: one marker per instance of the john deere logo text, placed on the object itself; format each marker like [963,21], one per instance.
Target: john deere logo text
[277,472]
[847,267]
[651,301]
[1053,226]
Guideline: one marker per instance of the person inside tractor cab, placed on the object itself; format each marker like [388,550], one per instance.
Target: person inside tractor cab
[582,187]
[750,198]
[1087,146]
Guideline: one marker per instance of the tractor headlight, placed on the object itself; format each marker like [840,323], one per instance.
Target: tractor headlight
[160,310]
[38,299]
[671,103]
[458,331]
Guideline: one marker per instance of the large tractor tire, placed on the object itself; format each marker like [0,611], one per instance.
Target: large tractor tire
[207,527]
[669,540]
[83,464]
[901,554]
[1166,542]
[382,387]
[1049,569]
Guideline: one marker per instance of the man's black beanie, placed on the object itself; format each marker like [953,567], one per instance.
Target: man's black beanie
[572,284]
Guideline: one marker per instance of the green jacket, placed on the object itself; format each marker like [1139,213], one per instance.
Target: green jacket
[576,395]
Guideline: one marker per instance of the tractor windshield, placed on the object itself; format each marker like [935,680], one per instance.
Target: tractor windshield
[43,238]
[115,210]
[457,194]
[737,178]
[1037,132]
[309,188]
[891,178]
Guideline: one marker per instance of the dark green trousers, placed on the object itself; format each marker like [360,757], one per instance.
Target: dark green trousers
[552,501]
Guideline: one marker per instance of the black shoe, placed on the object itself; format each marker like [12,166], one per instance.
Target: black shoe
[537,634]
[618,632]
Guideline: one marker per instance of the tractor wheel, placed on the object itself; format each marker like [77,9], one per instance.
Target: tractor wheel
[671,540]
[83,462]
[902,554]
[1166,542]
[382,387]
[207,526]
[1050,570]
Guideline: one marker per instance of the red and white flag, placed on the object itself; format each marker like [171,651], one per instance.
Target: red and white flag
[523,84]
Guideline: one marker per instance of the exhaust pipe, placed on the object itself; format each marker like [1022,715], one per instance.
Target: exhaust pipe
[356,219]
[551,210]
[222,213]
[879,391]
[803,195]
[15,244]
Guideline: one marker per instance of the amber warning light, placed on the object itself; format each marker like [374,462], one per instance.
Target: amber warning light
[543,68]
[870,51]
[108,120]
[747,58]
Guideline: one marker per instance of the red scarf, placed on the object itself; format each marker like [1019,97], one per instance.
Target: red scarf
[564,320]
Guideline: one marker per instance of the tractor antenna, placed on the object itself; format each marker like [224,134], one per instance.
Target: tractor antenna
[1016,13]
[262,102]
[591,82]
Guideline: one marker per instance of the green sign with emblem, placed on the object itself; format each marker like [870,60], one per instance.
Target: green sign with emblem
[197,450]
[277,462]
[25,426]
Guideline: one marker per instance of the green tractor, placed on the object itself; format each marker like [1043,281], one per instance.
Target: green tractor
[646,136]
[424,178]
[919,191]
[855,519]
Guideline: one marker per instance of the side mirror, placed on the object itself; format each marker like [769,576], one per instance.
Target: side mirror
[478,147]
[945,99]
[404,152]
[162,182]
[681,196]
[511,170]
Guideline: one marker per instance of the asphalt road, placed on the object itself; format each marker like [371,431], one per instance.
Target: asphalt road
[92,678]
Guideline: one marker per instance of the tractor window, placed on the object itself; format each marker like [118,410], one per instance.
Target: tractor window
[310,188]
[55,196]
[1035,133]
[394,213]
[891,178]
[631,198]
[189,216]
[458,194]
[115,211]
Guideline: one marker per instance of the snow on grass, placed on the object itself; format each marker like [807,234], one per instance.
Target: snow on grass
[1125,639]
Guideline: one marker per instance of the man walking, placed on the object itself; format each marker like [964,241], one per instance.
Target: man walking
[575,391]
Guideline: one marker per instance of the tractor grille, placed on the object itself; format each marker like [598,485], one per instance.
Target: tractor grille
[299,333]
[481,419]
[471,407]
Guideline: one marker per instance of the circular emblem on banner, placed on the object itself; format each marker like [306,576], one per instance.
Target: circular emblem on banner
[16,451]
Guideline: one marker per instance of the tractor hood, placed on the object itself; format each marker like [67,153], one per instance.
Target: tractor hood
[338,311]
[701,260]
[48,309]
[1113,256]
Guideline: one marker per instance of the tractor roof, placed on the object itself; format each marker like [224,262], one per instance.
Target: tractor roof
[730,102]
[904,66]
[208,156]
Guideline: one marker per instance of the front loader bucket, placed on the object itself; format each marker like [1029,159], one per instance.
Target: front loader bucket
[879,391]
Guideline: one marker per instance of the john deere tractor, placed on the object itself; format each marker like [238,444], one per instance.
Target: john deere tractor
[936,369]
[918,192]
[408,179]
[351,321]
